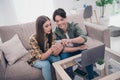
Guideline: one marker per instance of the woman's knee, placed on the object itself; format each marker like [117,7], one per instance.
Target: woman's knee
[46,64]
[41,64]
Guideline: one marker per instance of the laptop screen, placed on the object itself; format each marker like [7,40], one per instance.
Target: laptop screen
[91,56]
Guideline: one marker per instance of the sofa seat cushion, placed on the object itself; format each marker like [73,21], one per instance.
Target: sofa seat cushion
[96,46]
[22,71]
[26,57]
[93,43]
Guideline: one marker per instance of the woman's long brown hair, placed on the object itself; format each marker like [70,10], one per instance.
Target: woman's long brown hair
[40,32]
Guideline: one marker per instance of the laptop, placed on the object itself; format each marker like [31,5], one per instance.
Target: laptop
[90,56]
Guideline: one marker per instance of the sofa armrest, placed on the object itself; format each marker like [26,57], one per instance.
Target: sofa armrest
[2,66]
[98,32]
[114,76]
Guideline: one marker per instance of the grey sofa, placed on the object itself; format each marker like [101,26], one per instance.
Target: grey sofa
[20,70]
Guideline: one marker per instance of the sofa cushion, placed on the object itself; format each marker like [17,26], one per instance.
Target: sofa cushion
[13,49]
[7,32]
[93,43]
[24,31]
[23,71]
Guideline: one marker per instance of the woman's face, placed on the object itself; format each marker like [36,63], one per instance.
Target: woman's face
[61,22]
[47,27]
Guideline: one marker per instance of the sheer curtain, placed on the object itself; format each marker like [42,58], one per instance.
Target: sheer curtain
[22,11]
[7,13]
[29,10]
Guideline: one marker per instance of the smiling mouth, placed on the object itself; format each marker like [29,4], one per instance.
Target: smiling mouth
[48,31]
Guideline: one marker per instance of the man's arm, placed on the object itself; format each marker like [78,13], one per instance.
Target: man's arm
[77,40]
[80,37]
[73,49]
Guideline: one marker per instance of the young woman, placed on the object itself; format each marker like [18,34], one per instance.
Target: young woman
[71,37]
[44,49]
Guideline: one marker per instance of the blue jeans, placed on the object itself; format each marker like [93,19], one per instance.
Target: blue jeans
[45,66]
[64,55]
[89,68]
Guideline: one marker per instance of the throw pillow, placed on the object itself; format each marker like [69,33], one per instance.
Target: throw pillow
[13,49]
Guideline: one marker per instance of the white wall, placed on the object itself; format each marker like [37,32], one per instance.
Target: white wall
[7,12]
[72,4]
[29,10]
[22,11]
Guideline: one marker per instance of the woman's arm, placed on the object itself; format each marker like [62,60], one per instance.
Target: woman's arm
[74,40]
[37,52]
[57,48]
[46,54]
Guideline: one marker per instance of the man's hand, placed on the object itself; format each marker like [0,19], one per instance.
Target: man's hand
[83,47]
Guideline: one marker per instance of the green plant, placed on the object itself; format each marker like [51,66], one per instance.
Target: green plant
[103,3]
[100,61]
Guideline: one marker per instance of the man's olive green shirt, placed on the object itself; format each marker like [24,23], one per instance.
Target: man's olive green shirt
[73,29]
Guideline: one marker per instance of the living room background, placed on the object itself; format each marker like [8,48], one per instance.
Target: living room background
[22,11]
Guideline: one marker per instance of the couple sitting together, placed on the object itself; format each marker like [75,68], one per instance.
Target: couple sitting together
[48,47]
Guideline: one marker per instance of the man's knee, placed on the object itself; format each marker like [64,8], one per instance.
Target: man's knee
[64,55]
[55,59]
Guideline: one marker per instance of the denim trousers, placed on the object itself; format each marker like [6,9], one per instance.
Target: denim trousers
[89,68]
[45,65]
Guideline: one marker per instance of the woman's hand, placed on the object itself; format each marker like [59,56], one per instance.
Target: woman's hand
[57,48]
[66,42]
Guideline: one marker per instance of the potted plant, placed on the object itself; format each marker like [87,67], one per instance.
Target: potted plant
[102,4]
[100,64]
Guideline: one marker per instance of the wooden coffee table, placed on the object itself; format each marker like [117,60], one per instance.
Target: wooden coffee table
[63,64]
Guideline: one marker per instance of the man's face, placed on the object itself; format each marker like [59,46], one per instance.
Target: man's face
[61,22]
